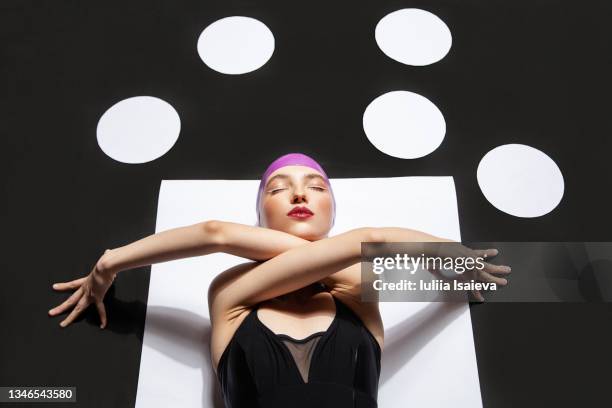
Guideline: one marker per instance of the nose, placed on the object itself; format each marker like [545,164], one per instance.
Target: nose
[298,196]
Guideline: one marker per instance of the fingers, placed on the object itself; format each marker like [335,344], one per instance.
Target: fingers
[478,295]
[491,268]
[72,300]
[487,277]
[486,253]
[435,272]
[82,305]
[69,285]
[102,313]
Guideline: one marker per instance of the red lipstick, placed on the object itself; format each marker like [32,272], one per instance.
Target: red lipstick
[300,212]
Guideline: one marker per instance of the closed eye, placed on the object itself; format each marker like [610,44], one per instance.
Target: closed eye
[280,189]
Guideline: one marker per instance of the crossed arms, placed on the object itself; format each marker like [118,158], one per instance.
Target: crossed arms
[289,262]
[283,263]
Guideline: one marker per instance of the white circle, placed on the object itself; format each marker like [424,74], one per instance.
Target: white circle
[138,129]
[413,37]
[236,45]
[404,124]
[520,180]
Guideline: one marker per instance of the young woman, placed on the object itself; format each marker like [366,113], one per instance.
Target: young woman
[289,328]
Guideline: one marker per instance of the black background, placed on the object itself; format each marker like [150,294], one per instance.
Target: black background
[531,72]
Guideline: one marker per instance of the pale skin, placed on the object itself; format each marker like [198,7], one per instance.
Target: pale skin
[289,254]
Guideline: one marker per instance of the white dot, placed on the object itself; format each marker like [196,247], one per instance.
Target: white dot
[138,129]
[404,124]
[236,45]
[413,37]
[520,180]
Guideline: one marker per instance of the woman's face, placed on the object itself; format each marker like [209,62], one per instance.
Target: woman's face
[297,186]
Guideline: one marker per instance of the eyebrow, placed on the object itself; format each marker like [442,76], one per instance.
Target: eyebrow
[284,176]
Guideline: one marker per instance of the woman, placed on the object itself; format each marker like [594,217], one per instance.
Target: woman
[288,329]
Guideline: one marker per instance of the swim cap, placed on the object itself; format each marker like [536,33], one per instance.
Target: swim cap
[293,159]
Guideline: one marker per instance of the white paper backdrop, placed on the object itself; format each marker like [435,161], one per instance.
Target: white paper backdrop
[429,358]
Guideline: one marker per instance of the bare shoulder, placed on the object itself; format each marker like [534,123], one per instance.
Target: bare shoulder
[225,320]
[346,286]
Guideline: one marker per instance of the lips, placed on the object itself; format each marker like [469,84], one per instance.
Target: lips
[300,212]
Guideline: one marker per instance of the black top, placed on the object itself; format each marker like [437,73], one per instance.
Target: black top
[337,368]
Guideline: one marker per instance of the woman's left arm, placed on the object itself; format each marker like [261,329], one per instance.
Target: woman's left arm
[253,242]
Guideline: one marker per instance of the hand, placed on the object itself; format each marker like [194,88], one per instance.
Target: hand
[483,274]
[89,289]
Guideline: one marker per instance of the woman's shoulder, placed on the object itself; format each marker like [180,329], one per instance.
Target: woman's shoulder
[222,334]
[225,321]
[367,314]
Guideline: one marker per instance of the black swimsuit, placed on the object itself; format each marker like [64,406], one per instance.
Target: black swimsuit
[337,368]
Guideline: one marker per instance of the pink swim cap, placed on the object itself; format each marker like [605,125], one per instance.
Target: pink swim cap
[295,159]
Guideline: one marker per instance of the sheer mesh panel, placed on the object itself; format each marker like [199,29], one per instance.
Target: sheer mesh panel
[302,351]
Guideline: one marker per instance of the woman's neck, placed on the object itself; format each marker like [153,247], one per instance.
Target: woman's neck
[302,294]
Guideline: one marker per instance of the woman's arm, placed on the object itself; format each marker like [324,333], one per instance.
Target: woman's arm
[255,243]
[348,280]
[305,264]
[176,243]
[193,240]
